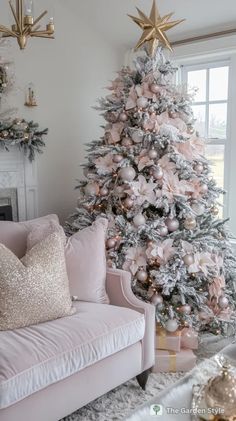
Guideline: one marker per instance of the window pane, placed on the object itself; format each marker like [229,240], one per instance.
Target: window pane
[217,121]
[197,79]
[215,153]
[199,112]
[219,83]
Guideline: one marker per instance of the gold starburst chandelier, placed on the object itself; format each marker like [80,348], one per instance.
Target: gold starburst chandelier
[25,25]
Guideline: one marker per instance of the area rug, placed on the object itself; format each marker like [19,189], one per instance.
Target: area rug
[120,402]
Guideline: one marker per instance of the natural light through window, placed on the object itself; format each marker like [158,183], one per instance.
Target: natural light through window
[210,109]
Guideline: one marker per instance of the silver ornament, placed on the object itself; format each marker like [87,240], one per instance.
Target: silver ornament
[117,158]
[156,299]
[139,220]
[142,275]
[91,189]
[223,302]
[188,259]
[172,224]
[137,136]
[171,325]
[123,117]
[190,223]
[142,102]
[163,231]
[152,154]
[127,173]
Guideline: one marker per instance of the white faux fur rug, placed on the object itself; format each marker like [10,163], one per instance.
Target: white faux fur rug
[122,401]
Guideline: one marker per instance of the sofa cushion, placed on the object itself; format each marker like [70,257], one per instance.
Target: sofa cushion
[86,263]
[13,235]
[32,358]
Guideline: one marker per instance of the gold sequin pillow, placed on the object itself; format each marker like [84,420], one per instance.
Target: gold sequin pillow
[34,289]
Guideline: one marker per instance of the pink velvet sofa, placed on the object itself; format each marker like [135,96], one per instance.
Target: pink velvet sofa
[50,370]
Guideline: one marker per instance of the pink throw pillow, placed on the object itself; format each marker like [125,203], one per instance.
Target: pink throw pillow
[86,263]
[13,235]
[39,233]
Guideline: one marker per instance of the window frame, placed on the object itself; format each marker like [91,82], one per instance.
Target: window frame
[193,65]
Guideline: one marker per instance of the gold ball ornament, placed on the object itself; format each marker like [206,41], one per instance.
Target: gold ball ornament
[4,134]
[111,242]
[190,223]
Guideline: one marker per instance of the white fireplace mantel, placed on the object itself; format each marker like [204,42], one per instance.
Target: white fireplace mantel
[17,172]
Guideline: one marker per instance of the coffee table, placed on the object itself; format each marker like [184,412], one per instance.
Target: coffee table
[174,403]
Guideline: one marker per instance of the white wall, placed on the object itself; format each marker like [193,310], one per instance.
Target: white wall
[69,74]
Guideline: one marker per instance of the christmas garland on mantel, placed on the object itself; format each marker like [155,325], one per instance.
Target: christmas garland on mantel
[25,135]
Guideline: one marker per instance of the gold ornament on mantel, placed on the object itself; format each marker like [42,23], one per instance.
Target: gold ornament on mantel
[30,98]
[25,25]
[154,28]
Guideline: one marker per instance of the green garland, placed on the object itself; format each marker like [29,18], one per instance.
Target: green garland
[25,135]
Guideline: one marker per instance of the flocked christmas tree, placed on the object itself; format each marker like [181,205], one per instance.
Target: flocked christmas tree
[148,175]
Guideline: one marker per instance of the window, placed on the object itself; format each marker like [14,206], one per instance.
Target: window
[210,109]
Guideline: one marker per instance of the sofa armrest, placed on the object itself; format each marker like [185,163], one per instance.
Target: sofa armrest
[118,286]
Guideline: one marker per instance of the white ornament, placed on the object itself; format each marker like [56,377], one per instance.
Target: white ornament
[139,220]
[158,173]
[142,275]
[171,325]
[163,231]
[172,224]
[91,189]
[127,174]
[104,191]
[188,259]
[204,188]
[142,102]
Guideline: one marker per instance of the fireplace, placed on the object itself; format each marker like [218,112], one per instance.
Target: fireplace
[8,204]
[6,213]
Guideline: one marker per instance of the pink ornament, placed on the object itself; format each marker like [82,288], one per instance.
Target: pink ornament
[128,203]
[154,88]
[127,174]
[142,102]
[91,189]
[189,338]
[104,191]
[111,243]
[186,309]
[172,224]
[123,117]
[158,173]
[126,141]
[152,154]
[142,275]
[199,168]
[117,158]
[156,299]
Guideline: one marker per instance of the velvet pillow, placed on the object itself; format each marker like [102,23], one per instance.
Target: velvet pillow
[14,234]
[34,289]
[86,263]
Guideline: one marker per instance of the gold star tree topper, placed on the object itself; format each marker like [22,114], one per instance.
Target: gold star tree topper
[154,28]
